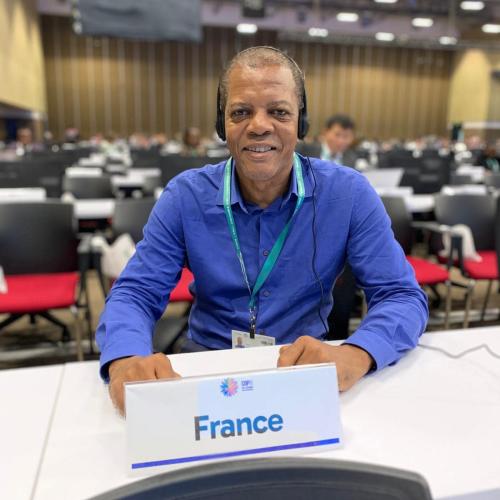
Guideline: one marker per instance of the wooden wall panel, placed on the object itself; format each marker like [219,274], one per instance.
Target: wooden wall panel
[101,84]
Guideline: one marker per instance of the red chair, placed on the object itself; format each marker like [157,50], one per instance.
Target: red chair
[129,217]
[38,254]
[479,213]
[428,274]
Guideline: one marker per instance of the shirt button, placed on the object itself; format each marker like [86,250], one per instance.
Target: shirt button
[265,253]
[267,293]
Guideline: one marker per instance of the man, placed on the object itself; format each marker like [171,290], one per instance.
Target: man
[332,215]
[338,137]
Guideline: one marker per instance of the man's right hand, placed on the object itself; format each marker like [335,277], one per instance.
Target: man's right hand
[134,369]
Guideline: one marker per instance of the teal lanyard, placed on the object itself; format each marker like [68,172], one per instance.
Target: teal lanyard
[278,245]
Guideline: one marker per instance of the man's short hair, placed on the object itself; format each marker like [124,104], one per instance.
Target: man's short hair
[343,120]
[261,57]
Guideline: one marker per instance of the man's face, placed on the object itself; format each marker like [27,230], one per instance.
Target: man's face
[338,138]
[24,136]
[261,119]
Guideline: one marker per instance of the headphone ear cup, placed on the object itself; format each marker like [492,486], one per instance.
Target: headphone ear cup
[303,126]
[220,126]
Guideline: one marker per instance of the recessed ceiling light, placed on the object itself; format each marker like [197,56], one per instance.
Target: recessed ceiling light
[246,28]
[491,28]
[422,22]
[382,36]
[320,32]
[447,40]
[472,5]
[386,1]
[347,17]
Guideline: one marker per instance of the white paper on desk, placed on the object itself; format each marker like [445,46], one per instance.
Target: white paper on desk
[163,430]
[3,282]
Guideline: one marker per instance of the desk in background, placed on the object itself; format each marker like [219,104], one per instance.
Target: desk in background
[429,413]
[94,208]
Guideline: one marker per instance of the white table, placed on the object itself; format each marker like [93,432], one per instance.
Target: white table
[22,194]
[135,177]
[477,173]
[419,203]
[429,413]
[94,208]
[27,400]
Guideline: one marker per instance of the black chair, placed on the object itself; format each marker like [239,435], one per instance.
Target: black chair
[312,149]
[478,212]
[279,479]
[88,187]
[173,165]
[427,273]
[460,179]
[38,253]
[344,301]
[130,217]
[492,181]
[145,158]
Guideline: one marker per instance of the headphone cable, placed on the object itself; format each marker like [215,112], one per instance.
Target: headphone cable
[314,248]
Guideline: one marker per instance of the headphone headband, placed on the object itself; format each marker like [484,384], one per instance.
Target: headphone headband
[303,122]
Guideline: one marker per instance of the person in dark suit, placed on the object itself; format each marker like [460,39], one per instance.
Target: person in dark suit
[338,137]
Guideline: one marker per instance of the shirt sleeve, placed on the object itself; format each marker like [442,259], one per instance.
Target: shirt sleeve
[140,295]
[397,307]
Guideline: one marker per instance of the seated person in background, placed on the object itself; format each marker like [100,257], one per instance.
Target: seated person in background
[337,138]
[24,142]
[490,159]
[192,144]
[223,221]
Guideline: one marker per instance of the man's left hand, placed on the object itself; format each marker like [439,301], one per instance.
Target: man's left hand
[352,362]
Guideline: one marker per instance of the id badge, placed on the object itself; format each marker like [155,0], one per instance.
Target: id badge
[243,339]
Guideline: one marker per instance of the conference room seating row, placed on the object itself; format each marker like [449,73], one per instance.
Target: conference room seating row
[480,214]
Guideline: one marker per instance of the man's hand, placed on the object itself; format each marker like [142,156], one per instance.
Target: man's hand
[352,362]
[134,369]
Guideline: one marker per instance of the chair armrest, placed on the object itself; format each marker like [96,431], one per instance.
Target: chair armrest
[432,226]
[85,245]
[455,253]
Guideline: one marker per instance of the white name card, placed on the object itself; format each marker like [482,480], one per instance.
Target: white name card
[189,420]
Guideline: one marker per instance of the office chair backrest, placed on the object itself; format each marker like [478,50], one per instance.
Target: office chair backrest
[37,238]
[173,165]
[131,215]
[400,221]
[493,181]
[460,179]
[475,211]
[88,187]
[279,478]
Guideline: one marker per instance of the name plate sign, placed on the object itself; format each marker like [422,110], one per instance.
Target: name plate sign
[193,419]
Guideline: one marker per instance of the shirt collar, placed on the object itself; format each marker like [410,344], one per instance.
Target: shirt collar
[237,198]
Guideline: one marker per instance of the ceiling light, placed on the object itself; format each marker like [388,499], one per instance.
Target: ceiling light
[422,22]
[386,1]
[472,5]
[321,32]
[447,40]
[491,28]
[347,17]
[382,36]
[246,28]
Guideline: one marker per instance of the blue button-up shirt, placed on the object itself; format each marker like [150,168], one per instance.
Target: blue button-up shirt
[188,227]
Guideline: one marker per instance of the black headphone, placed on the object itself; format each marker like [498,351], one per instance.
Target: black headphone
[303,122]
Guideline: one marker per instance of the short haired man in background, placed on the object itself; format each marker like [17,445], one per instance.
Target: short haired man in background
[338,137]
